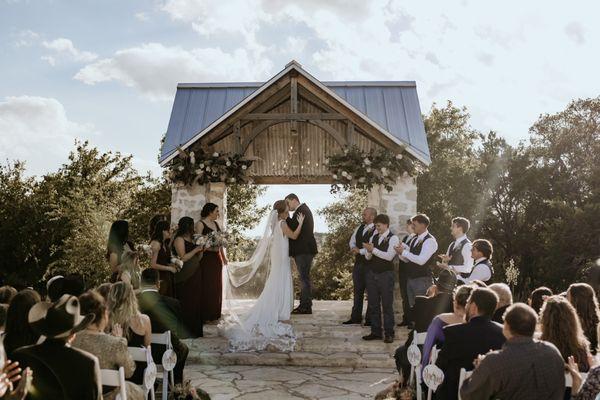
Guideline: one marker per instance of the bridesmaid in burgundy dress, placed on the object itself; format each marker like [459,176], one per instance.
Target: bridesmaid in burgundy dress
[211,266]
[188,281]
[118,239]
[160,242]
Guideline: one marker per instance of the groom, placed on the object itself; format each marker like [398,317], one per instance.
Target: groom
[302,249]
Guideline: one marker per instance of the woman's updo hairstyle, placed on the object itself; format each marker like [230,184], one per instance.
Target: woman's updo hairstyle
[280,206]
[208,209]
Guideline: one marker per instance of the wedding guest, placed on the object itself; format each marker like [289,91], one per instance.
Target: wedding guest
[165,315]
[403,274]
[302,249]
[104,289]
[124,315]
[211,266]
[188,281]
[420,256]
[130,268]
[118,240]
[464,342]
[18,332]
[153,221]
[481,251]
[560,326]
[361,235]
[3,312]
[380,279]
[160,242]
[60,371]
[59,285]
[524,369]
[10,374]
[590,388]
[458,256]
[111,350]
[583,298]
[505,300]
[425,310]
[6,294]
[537,298]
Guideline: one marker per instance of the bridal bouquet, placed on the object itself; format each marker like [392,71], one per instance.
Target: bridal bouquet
[213,239]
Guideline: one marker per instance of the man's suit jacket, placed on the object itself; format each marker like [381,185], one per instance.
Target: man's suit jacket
[427,308]
[462,344]
[305,243]
[61,371]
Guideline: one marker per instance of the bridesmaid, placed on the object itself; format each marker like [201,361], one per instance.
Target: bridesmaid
[118,239]
[188,281]
[160,242]
[211,266]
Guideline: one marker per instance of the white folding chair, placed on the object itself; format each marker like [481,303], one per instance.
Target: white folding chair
[415,370]
[432,360]
[143,354]
[464,374]
[114,378]
[163,374]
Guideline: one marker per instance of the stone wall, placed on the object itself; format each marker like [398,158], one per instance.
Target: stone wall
[187,201]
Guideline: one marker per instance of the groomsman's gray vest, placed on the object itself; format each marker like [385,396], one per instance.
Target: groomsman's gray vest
[376,264]
[414,270]
[361,238]
[486,262]
[455,252]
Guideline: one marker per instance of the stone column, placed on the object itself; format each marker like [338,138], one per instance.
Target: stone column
[188,200]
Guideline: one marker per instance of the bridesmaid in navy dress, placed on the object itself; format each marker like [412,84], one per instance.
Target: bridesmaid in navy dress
[211,266]
[188,281]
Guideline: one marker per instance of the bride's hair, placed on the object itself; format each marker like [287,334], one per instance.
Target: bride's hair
[280,206]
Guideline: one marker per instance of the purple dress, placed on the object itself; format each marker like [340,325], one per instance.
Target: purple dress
[435,336]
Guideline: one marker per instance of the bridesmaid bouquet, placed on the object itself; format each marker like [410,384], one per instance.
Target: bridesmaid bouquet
[213,239]
[177,262]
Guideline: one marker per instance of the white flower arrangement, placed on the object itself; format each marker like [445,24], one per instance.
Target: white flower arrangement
[215,154]
[177,262]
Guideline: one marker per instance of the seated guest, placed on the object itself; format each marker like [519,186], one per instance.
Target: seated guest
[57,286]
[111,350]
[537,298]
[103,290]
[6,294]
[18,332]
[481,251]
[165,315]
[435,332]
[59,370]
[380,279]
[583,298]
[464,342]
[504,300]
[524,369]
[125,315]
[130,268]
[425,309]
[590,387]
[3,311]
[560,326]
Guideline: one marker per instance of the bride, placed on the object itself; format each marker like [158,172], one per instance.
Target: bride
[265,324]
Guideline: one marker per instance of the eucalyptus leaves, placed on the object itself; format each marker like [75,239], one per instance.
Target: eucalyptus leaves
[202,167]
[355,168]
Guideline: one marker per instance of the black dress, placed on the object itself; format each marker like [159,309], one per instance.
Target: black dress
[167,279]
[211,292]
[114,276]
[188,286]
[136,340]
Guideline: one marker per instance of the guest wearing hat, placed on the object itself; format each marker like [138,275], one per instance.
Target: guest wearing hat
[59,370]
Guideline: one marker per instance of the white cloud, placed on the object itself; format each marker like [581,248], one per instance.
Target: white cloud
[155,69]
[26,38]
[575,32]
[142,16]
[37,130]
[63,48]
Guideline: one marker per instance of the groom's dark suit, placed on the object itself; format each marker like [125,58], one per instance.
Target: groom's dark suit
[303,249]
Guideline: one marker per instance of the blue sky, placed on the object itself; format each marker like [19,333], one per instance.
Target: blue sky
[107,71]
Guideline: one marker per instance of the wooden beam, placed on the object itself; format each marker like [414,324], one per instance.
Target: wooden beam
[331,130]
[257,130]
[306,95]
[350,133]
[238,136]
[292,179]
[293,116]
[294,101]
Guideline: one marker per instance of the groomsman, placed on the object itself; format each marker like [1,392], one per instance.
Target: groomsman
[380,279]
[481,251]
[403,275]
[458,257]
[420,255]
[361,235]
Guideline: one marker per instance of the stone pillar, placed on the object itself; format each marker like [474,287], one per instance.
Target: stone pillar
[399,204]
[188,200]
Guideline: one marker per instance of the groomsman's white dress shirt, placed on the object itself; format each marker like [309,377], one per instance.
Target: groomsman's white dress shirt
[430,246]
[352,243]
[481,272]
[467,265]
[386,255]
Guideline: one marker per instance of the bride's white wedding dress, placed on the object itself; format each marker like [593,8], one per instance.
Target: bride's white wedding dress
[261,326]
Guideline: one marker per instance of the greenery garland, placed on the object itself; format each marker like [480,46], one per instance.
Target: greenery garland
[202,167]
[355,168]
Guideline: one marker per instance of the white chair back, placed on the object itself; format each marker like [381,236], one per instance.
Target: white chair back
[432,360]
[143,354]
[114,378]
[415,370]
[163,374]
[464,374]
